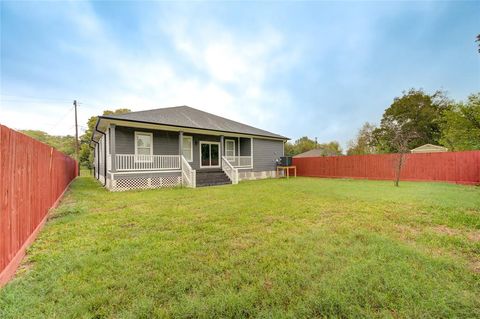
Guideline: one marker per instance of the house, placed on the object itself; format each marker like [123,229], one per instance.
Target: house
[429,148]
[180,146]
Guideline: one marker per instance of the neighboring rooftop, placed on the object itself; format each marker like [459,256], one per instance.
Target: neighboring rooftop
[185,116]
[315,153]
[429,148]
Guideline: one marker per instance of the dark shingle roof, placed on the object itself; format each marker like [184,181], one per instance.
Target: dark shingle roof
[311,153]
[185,116]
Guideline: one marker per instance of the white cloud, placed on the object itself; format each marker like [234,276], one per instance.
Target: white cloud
[212,68]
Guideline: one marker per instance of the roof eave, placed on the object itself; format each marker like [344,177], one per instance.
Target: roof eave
[279,137]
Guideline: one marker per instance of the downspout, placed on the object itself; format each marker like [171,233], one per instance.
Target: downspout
[94,167]
[98,160]
[104,156]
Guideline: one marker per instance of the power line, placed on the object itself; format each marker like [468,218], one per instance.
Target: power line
[17,97]
[31,102]
[63,117]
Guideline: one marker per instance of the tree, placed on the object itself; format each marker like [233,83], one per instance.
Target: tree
[305,144]
[415,111]
[332,148]
[65,144]
[290,149]
[461,125]
[401,140]
[301,145]
[86,154]
[364,143]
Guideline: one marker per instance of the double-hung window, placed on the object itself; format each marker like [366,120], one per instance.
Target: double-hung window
[143,147]
[187,148]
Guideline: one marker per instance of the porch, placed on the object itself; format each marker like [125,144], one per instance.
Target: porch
[140,154]
[168,164]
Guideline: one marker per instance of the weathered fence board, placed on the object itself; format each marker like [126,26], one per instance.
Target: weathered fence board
[33,176]
[454,167]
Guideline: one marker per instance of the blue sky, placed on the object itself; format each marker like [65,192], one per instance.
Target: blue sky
[296,68]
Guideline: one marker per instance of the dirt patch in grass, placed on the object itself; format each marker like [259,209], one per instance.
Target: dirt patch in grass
[475,266]
[25,267]
[472,235]
[407,232]
[442,229]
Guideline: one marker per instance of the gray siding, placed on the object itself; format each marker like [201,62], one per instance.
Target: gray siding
[99,159]
[265,154]
[164,142]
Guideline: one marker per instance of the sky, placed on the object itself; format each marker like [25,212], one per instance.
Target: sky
[317,69]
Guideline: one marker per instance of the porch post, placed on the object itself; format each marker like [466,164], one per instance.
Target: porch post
[180,143]
[238,154]
[112,148]
[222,146]
[251,151]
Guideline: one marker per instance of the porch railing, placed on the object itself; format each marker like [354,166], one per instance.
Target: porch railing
[231,171]
[189,175]
[240,161]
[132,162]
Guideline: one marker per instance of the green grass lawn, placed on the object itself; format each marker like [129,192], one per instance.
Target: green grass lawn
[292,248]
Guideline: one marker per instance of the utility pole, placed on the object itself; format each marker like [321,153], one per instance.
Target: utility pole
[76,132]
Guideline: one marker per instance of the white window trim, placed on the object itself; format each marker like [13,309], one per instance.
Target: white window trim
[200,154]
[151,145]
[234,147]
[191,146]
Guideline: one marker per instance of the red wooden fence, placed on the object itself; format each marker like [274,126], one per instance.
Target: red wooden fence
[455,167]
[33,177]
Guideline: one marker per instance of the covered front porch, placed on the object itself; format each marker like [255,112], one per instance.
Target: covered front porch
[145,152]
[199,154]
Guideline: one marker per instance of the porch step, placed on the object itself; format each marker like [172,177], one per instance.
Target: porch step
[212,178]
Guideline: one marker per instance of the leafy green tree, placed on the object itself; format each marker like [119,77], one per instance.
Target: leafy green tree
[415,111]
[364,143]
[289,149]
[330,149]
[301,145]
[461,125]
[305,144]
[65,144]
[86,153]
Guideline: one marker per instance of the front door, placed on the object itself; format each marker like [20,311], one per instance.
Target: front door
[209,154]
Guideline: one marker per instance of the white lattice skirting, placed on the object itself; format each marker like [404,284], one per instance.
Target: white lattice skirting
[124,184]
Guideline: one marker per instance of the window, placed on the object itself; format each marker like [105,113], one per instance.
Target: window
[187,148]
[144,146]
[230,148]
